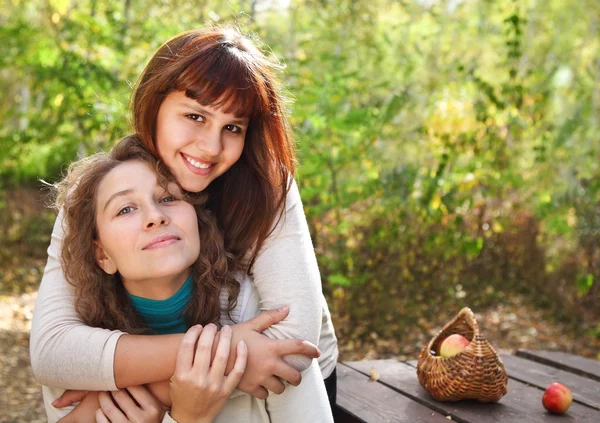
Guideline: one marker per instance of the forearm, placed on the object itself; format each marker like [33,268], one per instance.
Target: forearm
[142,359]
[138,360]
[150,360]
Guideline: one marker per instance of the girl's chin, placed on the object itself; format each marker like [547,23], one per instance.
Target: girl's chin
[195,184]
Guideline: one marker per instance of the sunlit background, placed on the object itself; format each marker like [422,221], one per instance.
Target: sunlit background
[449,156]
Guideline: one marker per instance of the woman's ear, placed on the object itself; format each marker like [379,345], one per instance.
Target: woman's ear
[103,260]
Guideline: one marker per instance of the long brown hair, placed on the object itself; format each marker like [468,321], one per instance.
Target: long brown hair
[101,299]
[223,68]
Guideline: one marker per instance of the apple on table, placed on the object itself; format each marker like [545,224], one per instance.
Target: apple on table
[557,398]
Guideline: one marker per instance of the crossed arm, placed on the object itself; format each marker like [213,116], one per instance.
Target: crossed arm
[160,390]
[198,389]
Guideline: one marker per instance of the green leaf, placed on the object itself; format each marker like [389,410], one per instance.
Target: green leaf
[339,279]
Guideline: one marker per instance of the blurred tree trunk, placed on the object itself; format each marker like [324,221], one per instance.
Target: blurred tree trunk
[24,107]
[125,27]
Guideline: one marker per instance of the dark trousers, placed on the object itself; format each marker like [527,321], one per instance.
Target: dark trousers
[331,388]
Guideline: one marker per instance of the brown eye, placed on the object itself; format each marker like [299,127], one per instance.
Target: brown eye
[234,128]
[195,117]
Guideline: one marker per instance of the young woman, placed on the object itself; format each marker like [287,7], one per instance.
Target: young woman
[141,260]
[208,107]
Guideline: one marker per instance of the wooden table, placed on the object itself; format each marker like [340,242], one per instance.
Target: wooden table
[397,396]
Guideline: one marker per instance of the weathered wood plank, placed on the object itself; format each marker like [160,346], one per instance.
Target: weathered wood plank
[570,362]
[369,401]
[585,391]
[522,404]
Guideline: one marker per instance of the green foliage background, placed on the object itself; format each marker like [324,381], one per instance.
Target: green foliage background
[449,149]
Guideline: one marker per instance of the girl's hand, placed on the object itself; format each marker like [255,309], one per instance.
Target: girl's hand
[199,388]
[85,410]
[130,405]
[69,397]
[266,368]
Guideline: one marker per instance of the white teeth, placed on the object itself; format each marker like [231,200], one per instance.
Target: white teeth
[197,164]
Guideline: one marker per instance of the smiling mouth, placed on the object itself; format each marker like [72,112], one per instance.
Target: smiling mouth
[198,164]
[161,241]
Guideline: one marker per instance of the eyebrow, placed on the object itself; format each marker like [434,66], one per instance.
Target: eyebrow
[117,194]
[200,109]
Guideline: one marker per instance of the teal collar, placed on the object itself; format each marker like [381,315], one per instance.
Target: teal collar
[165,316]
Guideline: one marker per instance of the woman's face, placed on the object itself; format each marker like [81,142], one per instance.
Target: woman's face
[144,232]
[198,143]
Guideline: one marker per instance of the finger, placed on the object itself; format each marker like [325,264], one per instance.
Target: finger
[274,385]
[260,393]
[204,349]
[287,373]
[100,417]
[219,363]
[110,410]
[268,318]
[142,396]
[296,346]
[126,404]
[151,407]
[235,375]
[69,397]
[185,356]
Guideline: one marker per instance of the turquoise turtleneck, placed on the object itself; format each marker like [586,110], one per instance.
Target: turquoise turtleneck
[165,316]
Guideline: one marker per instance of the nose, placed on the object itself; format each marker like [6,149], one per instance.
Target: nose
[154,218]
[210,142]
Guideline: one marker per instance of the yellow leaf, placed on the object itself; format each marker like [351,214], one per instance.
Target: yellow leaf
[497,227]
[58,100]
[374,374]
[436,201]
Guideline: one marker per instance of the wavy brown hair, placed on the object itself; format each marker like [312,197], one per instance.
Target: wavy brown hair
[221,67]
[101,299]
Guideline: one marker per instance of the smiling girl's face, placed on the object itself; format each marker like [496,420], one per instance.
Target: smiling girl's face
[197,143]
[146,233]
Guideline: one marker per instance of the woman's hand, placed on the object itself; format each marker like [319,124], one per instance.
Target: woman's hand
[199,387]
[69,397]
[131,405]
[266,369]
[85,410]
[114,407]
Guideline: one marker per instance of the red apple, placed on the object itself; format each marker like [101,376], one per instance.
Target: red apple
[557,398]
[452,345]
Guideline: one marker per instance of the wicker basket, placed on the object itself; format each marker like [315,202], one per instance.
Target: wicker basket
[474,373]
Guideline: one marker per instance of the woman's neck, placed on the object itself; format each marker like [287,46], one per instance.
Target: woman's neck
[158,288]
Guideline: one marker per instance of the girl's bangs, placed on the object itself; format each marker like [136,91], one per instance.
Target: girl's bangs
[224,80]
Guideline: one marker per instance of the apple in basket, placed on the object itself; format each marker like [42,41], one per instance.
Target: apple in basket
[452,345]
[557,398]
